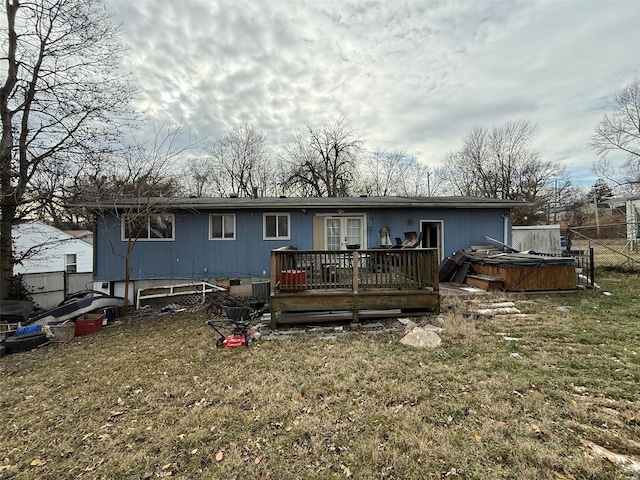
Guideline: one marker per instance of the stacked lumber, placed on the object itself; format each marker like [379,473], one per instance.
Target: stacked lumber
[481,250]
[459,268]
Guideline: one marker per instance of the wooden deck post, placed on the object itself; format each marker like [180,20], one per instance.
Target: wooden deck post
[355,262]
[275,263]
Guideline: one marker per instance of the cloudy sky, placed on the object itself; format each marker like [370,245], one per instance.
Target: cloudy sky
[407,75]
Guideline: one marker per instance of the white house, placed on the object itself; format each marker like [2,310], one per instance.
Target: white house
[44,248]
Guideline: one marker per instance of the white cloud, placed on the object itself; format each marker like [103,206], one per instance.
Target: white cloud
[412,75]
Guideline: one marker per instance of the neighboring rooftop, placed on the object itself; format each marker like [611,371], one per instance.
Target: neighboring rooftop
[86,235]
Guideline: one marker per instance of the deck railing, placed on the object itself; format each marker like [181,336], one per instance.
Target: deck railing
[294,271]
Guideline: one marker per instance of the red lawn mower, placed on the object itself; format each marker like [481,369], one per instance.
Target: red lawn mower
[239,316]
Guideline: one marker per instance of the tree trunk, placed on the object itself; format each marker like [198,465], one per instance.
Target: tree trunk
[6,249]
[8,200]
[127,279]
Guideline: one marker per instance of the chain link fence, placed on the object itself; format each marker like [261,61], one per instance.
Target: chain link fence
[611,246]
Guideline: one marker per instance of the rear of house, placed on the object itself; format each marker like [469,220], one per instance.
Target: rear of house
[232,238]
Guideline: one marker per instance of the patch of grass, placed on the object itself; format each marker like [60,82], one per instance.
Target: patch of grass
[154,397]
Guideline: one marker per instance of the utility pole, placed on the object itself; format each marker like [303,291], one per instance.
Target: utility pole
[595,205]
[555,202]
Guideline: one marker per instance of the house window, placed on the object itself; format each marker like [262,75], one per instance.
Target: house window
[276,226]
[222,227]
[70,263]
[148,227]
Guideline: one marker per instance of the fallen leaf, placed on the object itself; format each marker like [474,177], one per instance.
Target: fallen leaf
[194,451]
[561,476]
[535,428]
[38,462]
[219,456]
[288,428]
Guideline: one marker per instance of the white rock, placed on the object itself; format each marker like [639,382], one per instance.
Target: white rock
[421,338]
[502,305]
[409,326]
[433,328]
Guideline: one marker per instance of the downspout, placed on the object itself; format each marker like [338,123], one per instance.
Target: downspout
[505,234]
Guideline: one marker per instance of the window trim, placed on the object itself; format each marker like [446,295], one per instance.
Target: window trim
[223,238]
[148,238]
[67,264]
[276,214]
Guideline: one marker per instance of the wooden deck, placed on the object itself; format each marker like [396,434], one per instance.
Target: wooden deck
[318,285]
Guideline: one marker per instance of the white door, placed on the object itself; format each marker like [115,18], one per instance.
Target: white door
[343,231]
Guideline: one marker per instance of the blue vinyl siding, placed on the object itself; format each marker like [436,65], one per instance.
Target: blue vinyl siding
[462,227]
[193,255]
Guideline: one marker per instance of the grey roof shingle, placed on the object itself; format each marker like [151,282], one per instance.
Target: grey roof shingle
[238,203]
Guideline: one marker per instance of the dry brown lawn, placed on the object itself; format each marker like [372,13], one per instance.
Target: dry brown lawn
[152,397]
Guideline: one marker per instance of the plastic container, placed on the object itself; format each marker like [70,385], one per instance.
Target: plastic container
[63,332]
[90,323]
[293,280]
[23,343]
[110,313]
[28,329]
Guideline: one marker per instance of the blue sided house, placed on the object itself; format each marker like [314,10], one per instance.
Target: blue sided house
[232,238]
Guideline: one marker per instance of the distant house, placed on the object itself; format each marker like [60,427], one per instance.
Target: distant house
[86,235]
[222,238]
[42,248]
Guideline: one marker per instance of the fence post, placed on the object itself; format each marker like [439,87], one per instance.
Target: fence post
[591,267]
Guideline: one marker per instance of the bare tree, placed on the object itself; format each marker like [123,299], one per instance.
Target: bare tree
[135,191]
[61,91]
[382,173]
[201,179]
[238,163]
[322,162]
[422,181]
[619,132]
[395,172]
[500,163]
